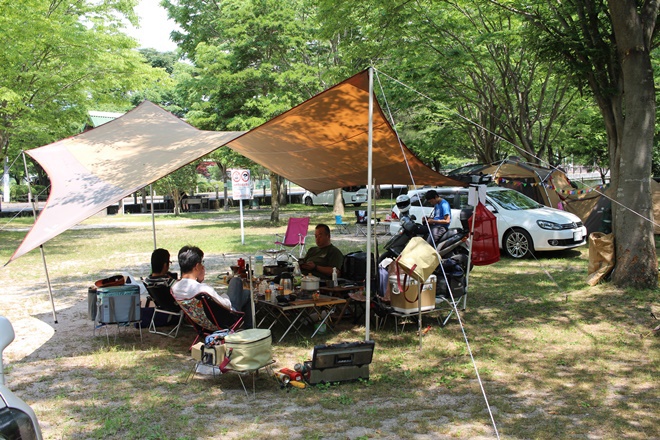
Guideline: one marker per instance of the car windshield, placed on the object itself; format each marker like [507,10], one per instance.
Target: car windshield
[513,200]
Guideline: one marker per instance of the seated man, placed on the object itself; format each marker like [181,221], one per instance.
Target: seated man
[191,262]
[321,258]
[160,269]
[440,217]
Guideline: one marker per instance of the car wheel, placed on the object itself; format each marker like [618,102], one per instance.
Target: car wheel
[308,201]
[518,244]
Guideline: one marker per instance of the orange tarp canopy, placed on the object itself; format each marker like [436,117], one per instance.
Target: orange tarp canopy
[321,144]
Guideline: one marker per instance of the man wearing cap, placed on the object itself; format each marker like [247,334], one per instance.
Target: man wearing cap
[440,217]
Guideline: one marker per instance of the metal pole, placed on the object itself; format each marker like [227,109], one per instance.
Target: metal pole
[41,247]
[471,236]
[153,216]
[250,272]
[369,179]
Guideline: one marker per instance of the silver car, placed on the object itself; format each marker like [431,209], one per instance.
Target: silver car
[353,195]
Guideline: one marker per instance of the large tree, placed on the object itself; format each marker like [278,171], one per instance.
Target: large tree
[58,60]
[606,45]
[254,59]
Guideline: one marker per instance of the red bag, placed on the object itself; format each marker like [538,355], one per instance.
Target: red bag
[115,280]
[485,244]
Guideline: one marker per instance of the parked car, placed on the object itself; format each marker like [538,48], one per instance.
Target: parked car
[17,419]
[355,195]
[523,225]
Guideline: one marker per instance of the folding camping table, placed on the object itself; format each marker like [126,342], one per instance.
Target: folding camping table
[290,314]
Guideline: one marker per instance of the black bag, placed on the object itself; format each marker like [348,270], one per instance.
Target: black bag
[355,267]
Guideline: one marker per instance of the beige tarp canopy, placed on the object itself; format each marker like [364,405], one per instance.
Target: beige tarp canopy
[320,144]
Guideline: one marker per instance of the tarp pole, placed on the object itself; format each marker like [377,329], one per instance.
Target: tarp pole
[153,216]
[41,247]
[253,311]
[367,308]
[474,188]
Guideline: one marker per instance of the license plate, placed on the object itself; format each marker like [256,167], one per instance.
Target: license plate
[577,236]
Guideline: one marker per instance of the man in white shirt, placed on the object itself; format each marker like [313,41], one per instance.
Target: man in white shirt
[191,263]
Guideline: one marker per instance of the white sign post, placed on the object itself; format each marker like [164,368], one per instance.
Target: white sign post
[241,186]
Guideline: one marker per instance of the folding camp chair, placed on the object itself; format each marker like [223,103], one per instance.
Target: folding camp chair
[361,222]
[340,226]
[296,232]
[207,316]
[160,294]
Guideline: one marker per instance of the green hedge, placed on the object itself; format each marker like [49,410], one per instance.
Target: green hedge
[19,193]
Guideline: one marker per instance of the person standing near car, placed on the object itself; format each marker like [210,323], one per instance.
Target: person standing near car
[440,218]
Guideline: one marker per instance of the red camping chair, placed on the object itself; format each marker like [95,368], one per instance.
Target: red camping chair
[296,232]
[207,316]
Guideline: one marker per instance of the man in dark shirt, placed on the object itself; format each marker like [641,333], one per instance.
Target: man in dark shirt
[322,258]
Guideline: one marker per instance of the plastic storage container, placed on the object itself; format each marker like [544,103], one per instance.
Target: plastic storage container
[118,304]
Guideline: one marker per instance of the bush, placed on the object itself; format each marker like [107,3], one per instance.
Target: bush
[19,193]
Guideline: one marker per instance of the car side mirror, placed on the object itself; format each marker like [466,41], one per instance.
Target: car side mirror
[491,208]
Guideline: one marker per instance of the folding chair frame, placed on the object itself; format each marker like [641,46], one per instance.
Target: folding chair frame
[340,226]
[297,240]
[155,292]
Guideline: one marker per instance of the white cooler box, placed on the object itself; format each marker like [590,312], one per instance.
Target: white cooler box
[407,301]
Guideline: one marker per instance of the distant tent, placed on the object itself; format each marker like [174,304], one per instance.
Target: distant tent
[535,181]
[595,209]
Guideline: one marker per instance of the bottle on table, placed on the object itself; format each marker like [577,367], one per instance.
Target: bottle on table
[273,291]
[335,283]
[259,266]
[297,275]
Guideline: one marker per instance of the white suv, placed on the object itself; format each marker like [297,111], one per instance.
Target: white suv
[523,225]
[355,195]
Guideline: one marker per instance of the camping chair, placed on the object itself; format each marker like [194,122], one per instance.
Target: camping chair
[207,316]
[362,223]
[340,226]
[296,232]
[160,294]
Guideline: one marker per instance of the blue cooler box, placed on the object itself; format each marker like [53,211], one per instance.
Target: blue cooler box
[118,304]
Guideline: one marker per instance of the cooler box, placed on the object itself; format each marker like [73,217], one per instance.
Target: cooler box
[249,349]
[342,362]
[210,356]
[406,301]
[118,304]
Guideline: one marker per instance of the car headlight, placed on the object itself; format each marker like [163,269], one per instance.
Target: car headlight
[545,224]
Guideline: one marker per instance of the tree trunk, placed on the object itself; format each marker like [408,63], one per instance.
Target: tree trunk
[274,199]
[338,205]
[636,262]
[225,180]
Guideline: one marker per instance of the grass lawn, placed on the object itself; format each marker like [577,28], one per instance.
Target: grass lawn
[557,359]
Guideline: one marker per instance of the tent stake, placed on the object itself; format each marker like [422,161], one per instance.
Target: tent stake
[41,247]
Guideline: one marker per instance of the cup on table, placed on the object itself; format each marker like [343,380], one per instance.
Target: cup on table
[287,285]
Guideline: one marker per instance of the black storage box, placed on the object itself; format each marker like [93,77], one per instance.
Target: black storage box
[342,362]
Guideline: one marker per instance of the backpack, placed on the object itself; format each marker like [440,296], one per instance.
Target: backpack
[354,267]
